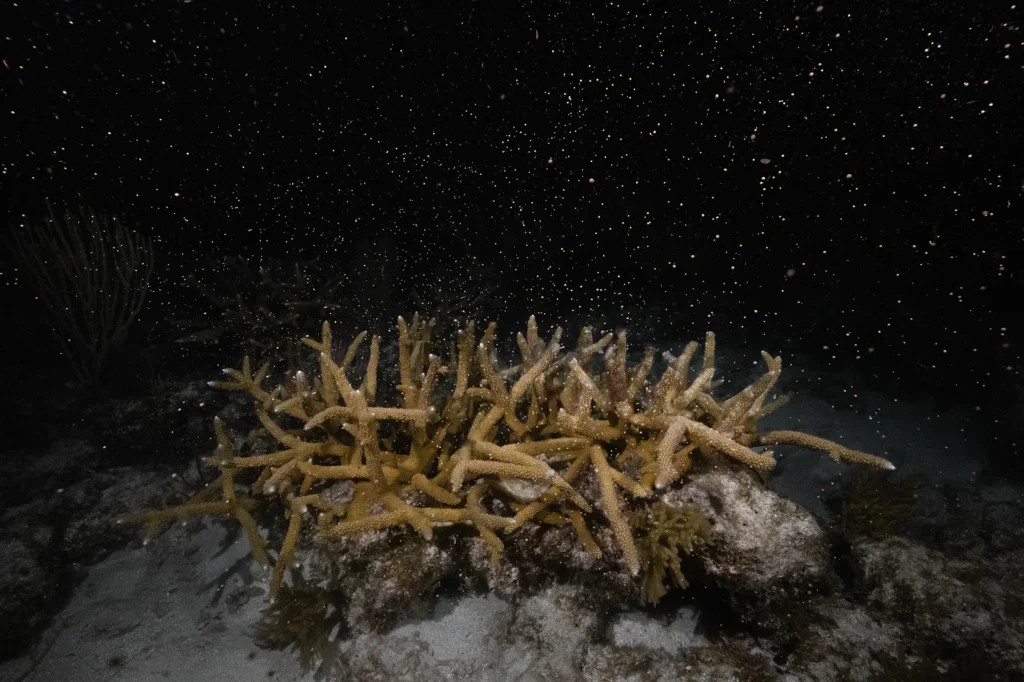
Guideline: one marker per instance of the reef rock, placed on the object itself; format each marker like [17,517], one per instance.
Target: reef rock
[964,608]
[767,552]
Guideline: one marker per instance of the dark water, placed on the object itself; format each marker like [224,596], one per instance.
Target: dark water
[190,183]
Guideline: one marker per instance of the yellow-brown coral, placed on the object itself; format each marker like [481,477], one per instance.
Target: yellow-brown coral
[436,460]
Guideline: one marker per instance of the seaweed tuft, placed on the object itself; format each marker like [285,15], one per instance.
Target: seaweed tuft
[666,532]
[297,619]
[880,503]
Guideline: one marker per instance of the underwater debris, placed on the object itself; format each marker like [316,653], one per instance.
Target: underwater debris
[438,460]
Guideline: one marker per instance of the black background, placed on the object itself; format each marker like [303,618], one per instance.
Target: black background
[837,180]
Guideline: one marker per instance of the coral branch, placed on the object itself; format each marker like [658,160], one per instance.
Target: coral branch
[529,440]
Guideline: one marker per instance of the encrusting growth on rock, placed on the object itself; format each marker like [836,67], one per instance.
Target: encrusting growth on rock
[437,460]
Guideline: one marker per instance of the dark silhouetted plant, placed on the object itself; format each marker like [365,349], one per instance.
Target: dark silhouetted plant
[91,273]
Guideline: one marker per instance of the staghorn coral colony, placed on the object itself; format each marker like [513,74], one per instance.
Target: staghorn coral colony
[490,449]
